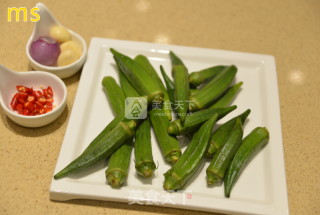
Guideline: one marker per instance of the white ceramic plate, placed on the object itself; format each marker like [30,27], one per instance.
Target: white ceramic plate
[261,189]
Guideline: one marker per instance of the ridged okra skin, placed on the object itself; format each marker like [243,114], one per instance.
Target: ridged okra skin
[144,162]
[213,90]
[181,91]
[192,157]
[199,77]
[168,143]
[248,148]
[140,79]
[106,146]
[228,96]
[220,136]
[193,91]
[115,94]
[223,157]
[169,84]
[195,120]
[145,63]
[175,60]
[127,88]
[117,172]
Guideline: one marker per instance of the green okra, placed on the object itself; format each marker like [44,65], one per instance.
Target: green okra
[144,163]
[213,90]
[191,159]
[248,148]
[175,60]
[168,143]
[140,79]
[193,91]
[107,145]
[195,120]
[197,78]
[117,172]
[127,88]
[144,62]
[115,94]
[221,160]
[228,96]
[220,136]
[169,84]
[181,91]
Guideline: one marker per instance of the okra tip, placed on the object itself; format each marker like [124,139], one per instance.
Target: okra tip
[173,157]
[116,178]
[193,106]
[195,79]
[171,183]
[212,178]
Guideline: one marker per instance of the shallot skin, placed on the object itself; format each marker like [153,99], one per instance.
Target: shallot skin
[45,50]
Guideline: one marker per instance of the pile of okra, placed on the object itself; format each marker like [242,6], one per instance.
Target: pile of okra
[188,104]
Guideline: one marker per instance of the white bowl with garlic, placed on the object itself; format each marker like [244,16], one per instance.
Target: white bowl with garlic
[54,48]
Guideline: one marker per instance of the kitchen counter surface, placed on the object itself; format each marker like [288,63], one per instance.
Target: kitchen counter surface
[288,30]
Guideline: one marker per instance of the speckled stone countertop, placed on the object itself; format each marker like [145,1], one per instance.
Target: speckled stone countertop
[288,30]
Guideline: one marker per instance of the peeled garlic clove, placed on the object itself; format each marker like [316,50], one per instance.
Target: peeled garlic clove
[71,45]
[67,57]
[60,34]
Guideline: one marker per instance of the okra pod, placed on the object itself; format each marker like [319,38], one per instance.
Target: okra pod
[249,146]
[220,136]
[197,78]
[191,159]
[168,143]
[143,151]
[193,91]
[223,157]
[127,88]
[117,172]
[195,120]
[175,60]
[169,84]
[144,62]
[107,145]
[227,97]
[213,90]
[140,79]
[115,94]
[181,91]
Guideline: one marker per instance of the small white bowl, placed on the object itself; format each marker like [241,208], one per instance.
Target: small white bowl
[42,28]
[10,79]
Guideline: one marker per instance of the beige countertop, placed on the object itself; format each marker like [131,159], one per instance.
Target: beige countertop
[288,30]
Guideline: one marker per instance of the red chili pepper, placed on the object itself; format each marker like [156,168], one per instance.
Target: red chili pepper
[46,94]
[36,111]
[49,90]
[22,101]
[29,106]
[37,94]
[23,89]
[14,101]
[19,108]
[43,101]
[42,111]
[31,99]
[23,95]
[39,105]
[48,104]
[48,109]
[50,100]
[25,112]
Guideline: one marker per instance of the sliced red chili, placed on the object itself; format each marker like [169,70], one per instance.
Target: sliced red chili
[23,89]
[29,106]
[48,104]
[43,101]
[35,111]
[50,100]
[42,111]
[25,112]
[31,99]
[14,101]
[37,94]
[23,95]
[49,90]
[19,108]
[22,101]
[48,109]
[46,94]
[39,105]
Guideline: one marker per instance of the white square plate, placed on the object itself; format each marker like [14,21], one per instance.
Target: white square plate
[261,189]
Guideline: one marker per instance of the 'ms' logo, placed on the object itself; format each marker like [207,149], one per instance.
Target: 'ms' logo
[24,11]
